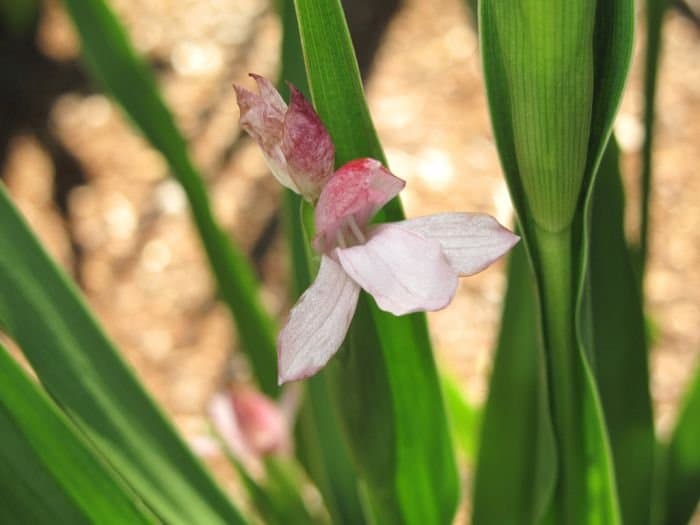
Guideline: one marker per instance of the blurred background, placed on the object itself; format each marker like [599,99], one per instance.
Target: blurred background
[100,198]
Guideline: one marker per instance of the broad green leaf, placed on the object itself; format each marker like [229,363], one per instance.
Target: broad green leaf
[48,474]
[544,52]
[320,444]
[82,370]
[619,345]
[409,473]
[682,460]
[516,461]
[531,53]
[112,61]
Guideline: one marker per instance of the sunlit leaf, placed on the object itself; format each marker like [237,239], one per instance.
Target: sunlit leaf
[541,121]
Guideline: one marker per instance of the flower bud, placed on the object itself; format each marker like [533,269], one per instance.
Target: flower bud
[538,57]
[294,141]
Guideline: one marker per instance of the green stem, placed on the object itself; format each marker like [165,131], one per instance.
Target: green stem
[654,19]
[556,274]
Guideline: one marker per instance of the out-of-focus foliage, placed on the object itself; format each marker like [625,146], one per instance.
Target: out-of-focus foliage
[112,62]
[85,375]
[48,472]
[681,461]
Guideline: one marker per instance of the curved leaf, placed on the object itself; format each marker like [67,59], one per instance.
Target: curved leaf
[48,473]
[82,370]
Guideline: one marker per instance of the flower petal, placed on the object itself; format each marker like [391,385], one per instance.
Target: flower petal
[226,424]
[307,146]
[357,190]
[471,241]
[261,421]
[403,271]
[317,324]
[262,117]
[269,93]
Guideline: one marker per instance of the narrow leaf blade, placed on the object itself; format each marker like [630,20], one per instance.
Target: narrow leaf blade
[320,445]
[113,63]
[81,369]
[416,477]
[516,462]
[48,473]
[682,460]
[619,345]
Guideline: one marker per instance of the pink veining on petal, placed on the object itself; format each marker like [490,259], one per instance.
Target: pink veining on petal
[307,146]
[402,270]
[356,191]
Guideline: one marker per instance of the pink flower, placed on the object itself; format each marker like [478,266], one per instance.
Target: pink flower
[407,266]
[250,424]
[296,145]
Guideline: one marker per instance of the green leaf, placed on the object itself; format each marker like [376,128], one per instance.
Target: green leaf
[465,418]
[112,61]
[410,474]
[655,10]
[48,473]
[278,498]
[619,345]
[682,460]
[531,53]
[81,369]
[544,52]
[516,462]
[320,444]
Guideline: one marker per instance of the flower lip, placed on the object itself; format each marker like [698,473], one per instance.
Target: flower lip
[349,200]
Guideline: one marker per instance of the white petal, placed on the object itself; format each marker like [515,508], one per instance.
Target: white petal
[471,241]
[403,271]
[317,324]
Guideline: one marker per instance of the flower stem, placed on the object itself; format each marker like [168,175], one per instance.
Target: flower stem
[556,274]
